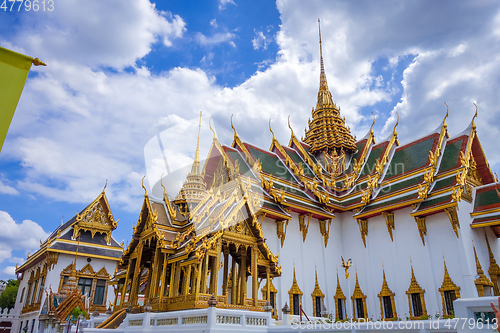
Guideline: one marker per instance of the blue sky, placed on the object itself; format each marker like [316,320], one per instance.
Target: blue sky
[120,72]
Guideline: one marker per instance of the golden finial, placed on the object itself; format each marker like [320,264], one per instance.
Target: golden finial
[397,123]
[38,62]
[475,115]
[210,125]
[144,187]
[271,130]
[165,195]
[447,111]
[105,184]
[235,134]
[496,180]
[290,127]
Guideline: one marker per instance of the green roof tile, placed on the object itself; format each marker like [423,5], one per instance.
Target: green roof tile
[486,198]
[409,158]
[444,183]
[451,155]
[435,201]
[271,164]
[370,164]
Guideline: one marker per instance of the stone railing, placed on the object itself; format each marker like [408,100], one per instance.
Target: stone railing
[208,319]
[6,314]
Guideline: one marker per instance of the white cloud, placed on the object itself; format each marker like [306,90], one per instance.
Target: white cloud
[260,40]
[10,271]
[110,33]
[217,38]
[224,3]
[6,189]
[23,236]
[213,23]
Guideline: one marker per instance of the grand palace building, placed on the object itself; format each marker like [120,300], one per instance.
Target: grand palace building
[327,223]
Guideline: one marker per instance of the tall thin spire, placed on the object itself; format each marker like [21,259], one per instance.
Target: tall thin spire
[323,85]
[196,164]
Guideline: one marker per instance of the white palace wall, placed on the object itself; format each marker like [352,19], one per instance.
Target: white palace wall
[345,240]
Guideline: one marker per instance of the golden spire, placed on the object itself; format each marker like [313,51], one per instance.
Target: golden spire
[323,85]
[482,281]
[195,169]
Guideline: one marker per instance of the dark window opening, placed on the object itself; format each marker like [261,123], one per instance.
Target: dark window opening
[318,306]
[85,286]
[360,310]
[387,307]
[296,304]
[99,292]
[340,307]
[416,303]
[449,297]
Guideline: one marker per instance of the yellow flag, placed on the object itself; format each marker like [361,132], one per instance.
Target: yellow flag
[14,68]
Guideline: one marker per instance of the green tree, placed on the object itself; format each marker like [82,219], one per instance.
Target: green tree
[8,297]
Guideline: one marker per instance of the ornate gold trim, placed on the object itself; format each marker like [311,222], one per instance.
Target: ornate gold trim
[317,293]
[447,285]
[339,294]
[294,290]
[415,288]
[358,294]
[386,291]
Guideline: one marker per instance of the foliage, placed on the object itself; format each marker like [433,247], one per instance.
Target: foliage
[8,297]
[76,312]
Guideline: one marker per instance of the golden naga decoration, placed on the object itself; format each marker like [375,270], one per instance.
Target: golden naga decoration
[456,195]
[363,229]
[452,215]
[281,228]
[346,265]
[171,210]
[325,232]
[389,221]
[422,227]
[365,198]
[303,227]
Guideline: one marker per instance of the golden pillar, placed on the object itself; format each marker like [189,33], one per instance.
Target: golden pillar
[214,275]
[226,268]
[172,280]
[243,276]
[268,285]
[137,274]
[163,277]
[154,274]
[124,289]
[234,289]
[177,278]
[187,280]
[204,273]
[198,277]
[255,291]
